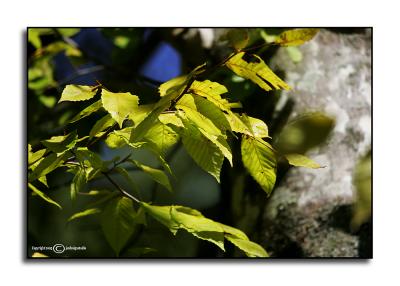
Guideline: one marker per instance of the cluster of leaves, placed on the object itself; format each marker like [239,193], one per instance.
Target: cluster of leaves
[195,112]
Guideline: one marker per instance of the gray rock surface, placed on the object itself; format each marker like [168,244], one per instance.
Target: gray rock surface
[310,209]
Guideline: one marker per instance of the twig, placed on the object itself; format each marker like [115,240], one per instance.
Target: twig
[122,191]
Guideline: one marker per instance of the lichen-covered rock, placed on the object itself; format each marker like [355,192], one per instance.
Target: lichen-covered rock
[310,211]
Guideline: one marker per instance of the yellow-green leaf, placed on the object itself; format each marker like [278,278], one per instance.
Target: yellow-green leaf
[162,136]
[119,105]
[301,161]
[87,111]
[59,144]
[212,91]
[43,195]
[173,85]
[84,213]
[78,183]
[118,222]
[163,215]
[259,159]
[257,71]
[251,249]
[47,165]
[77,93]
[156,174]
[102,124]
[296,37]
[35,156]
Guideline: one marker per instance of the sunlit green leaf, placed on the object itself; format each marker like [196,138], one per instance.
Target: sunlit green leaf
[68,32]
[162,136]
[88,157]
[59,144]
[77,93]
[102,124]
[173,85]
[156,174]
[35,156]
[87,111]
[119,105]
[118,222]
[84,213]
[78,183]
[43,195]
[205,153]
[34,38]
[257,71]
[163,215]
[301,161]
[296,37]
[251,249]
[47,165]
[259,159]
[211,91]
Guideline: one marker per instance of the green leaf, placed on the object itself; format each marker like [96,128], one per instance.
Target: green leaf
[84,213]
[247,125]
[87,111]
[201,227]
[205,108]
[114,141]
[78,183]
[59,144]
[35,156]
[34,38]
[238,38]
[156,174]
[144,126]
[47,165]
[118,222]
[205,153]
[178,217]
[127,177]
[43,195]
[363,184]
[119,105]
[162,136]
[163,215]
[77,93]
[259,159]
[173,85]
[234,231]
[251,249]
[301,161]
[88,157]
[295,37]
[68,32]
[257,71]
[211,91]
[102,124]
[141,112]
[170,118]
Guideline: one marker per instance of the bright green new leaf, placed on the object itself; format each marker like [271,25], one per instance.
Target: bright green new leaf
[115,141]
[68,32]
[43,195]
[259,159]
[84,213]
[87,157]
[173,85]
[238,38]
[205,153]
[211,91]
[59,144]
[77,93]
[118,222]
[78,183]
[251,249]
[144,126]
[34,38]
[163,215]
[301,161]
[296,37]
[141,112]
[35,156]
[119,105]
[205,108]
[234,231]
[47,165]
[157,175]
[43,180]
[87,111]
[162,136]
[101,125]
[170,118]
[257,71]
